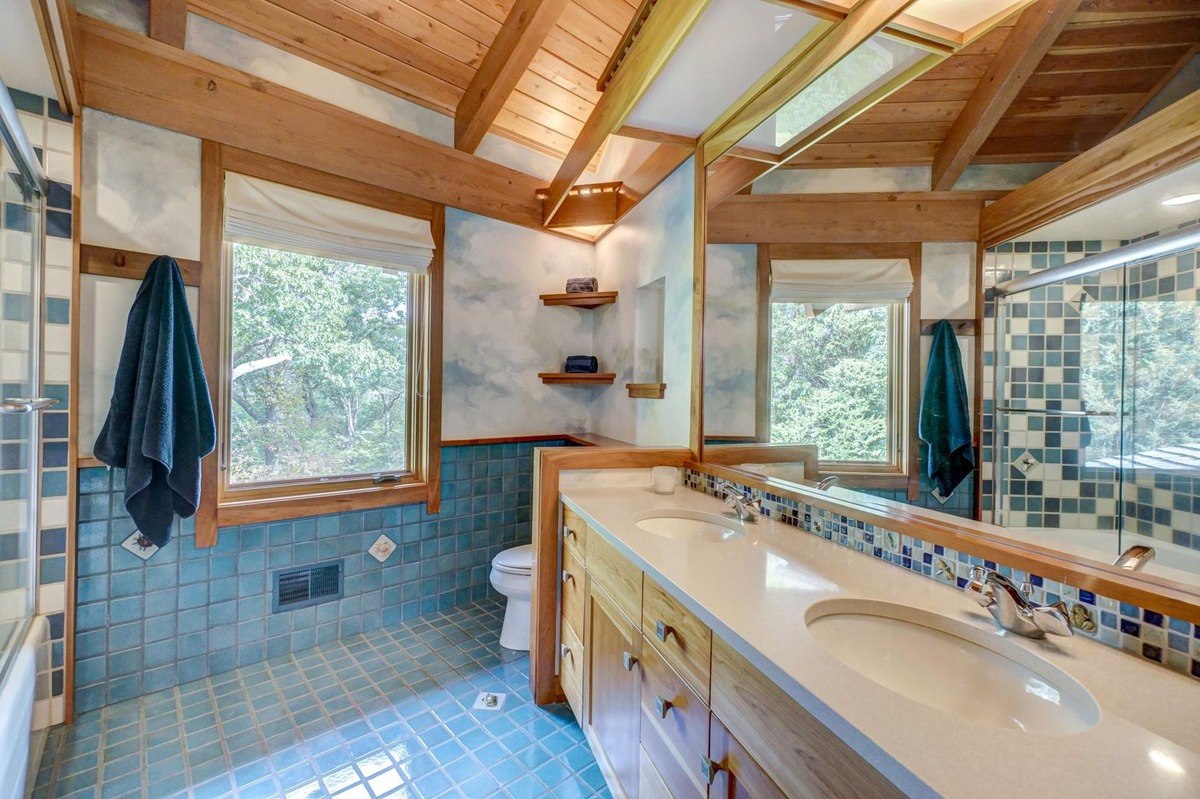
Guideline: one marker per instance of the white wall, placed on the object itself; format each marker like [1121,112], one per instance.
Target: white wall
[730,339]
[654,241]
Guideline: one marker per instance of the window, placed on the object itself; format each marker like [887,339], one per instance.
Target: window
[838,362]
[320,379]
[323,385]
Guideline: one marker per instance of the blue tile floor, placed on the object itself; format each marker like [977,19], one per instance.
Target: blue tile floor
[384,714]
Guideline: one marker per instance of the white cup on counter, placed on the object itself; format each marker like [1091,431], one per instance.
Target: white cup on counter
[664,479]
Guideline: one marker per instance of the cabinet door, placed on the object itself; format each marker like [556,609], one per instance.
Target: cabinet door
[614,681]
[736,775]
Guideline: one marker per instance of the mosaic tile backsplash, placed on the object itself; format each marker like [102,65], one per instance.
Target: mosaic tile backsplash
[1173,643]
[187,613]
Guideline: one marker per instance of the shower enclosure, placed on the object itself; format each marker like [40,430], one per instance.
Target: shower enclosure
[21,197]
[1094,423]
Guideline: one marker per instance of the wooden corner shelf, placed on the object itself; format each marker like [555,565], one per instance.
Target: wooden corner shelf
[577,378]
[646,390]
[580,299]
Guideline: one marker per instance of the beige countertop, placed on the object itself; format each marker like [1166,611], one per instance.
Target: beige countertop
[755,593]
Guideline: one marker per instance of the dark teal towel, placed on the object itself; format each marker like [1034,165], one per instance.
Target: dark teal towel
[945,424]
[160,423]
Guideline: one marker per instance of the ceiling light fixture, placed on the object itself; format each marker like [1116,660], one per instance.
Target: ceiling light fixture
[1182,199]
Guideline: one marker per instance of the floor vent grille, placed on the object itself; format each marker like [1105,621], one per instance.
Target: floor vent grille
[303,587]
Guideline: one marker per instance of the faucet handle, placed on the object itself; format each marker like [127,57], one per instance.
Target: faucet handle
[1053,619]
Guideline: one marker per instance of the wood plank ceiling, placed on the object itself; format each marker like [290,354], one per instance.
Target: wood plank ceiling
[427,52]
[1106,65]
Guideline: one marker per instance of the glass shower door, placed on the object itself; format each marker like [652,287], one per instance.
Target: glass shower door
[20,301]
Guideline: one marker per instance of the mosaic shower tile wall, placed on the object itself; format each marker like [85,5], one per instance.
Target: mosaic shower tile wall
[1116,344]
[51,132]
[1173,643]
[187,613]
[961,503]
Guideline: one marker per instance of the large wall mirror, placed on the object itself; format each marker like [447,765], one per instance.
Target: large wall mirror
[1078,357]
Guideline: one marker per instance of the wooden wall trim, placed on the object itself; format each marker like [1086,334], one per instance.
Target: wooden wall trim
[976,538]
[129,264]
[550,463]
[434,331]
[136,77]
[1156,146]
[847,218]
[212,243]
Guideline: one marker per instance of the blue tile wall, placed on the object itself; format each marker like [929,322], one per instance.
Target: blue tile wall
[961,503]
[188,613]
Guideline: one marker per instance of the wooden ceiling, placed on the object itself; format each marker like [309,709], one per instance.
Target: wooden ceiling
[1102,69]
[428,51]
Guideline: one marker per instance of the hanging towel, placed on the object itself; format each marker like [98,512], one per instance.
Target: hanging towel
[160,422]
[945,424]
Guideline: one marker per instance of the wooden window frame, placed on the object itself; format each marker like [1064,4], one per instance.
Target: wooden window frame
[221,508]
[903,470]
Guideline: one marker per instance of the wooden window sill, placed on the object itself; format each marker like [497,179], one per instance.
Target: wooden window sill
[256,511]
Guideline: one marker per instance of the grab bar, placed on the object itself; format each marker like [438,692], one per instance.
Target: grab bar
[1054,411]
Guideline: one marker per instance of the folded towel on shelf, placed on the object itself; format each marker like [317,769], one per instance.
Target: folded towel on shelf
[577,285]
[160,421]
[945,424]
[582,364]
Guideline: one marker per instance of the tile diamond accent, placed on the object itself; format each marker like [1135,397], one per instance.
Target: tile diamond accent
[382,549]
[138,545]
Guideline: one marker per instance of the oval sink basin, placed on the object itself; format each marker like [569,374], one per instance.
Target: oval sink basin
[694,527]
[952,666]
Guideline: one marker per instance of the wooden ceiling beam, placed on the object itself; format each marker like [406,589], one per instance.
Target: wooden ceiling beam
[144,80]
[1156,146]
[815,55]
[1036,29]
[847,218]
[510,54]
[168,21]
[661,33]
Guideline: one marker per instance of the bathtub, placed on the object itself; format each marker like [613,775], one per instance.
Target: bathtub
[1171,561]
[17,689]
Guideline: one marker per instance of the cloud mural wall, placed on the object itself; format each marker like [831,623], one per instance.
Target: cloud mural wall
[498,335]
[654,241]
[730,339]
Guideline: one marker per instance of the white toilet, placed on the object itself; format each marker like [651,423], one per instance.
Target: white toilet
[512,575]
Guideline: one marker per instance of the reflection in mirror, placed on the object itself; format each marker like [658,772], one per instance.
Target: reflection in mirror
[1097,383]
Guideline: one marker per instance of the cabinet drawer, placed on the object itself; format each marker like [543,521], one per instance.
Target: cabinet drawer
[574,533]
[650,782]
[798,753]
[570,670]
[572,579]
[674,725]
[684,641]
[738,776]
[619,578]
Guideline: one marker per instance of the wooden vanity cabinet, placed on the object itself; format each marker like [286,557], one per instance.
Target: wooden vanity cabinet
[613,688]
[674,712]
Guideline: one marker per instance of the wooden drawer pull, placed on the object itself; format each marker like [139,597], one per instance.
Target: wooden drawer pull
[662,706]
[629,660]
[568,532]
[709,769]
[662,630]
[566,575]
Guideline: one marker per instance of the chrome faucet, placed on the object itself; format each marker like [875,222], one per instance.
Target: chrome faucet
[746,504]
[1135,558]
[1012,608]
[831,480]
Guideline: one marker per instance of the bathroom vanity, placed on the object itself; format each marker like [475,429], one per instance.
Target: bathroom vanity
[707,657]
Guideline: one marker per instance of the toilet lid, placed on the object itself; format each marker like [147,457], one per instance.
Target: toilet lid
[518,560]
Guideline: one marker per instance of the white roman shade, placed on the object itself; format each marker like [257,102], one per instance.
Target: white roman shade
[858,281]
[265,214]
